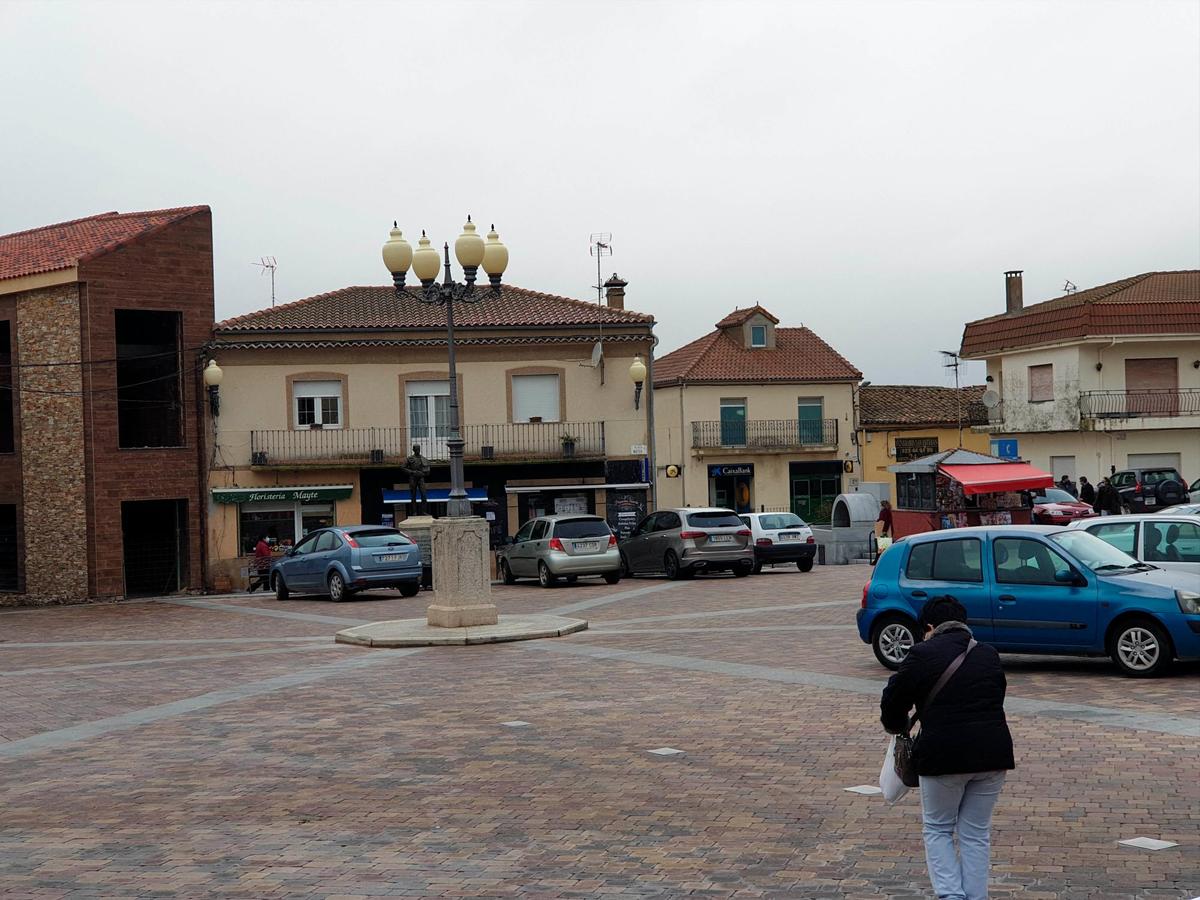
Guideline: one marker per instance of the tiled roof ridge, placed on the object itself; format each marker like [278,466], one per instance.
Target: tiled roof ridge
[1093,295]
[940,387]
[701,344]
[291,304]
[114,214]
[741,314]
[824,343]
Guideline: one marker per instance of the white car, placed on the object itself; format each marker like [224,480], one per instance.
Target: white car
[1169,541]
[780,537]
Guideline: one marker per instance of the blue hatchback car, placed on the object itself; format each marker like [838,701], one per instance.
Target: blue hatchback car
[341,561]
[1035,589]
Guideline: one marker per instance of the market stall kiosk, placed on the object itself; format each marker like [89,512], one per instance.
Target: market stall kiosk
[957,488]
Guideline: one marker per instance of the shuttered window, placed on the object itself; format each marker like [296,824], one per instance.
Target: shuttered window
[535,398]
[1041,383]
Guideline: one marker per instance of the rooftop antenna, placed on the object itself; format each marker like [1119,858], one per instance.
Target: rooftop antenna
[267,264]
[600,246]
[950,360]
[1069,287]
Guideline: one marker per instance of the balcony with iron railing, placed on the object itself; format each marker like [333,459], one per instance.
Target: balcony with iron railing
[1177,407]
[766,435]
[390,445]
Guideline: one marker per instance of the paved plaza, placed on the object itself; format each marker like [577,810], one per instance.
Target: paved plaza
[227,747]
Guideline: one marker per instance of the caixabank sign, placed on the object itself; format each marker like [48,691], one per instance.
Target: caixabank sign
[723,471]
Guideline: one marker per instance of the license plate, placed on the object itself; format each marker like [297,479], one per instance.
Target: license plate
[788,536]
[1150,501]
[392,557]
[720,538]
[587,546]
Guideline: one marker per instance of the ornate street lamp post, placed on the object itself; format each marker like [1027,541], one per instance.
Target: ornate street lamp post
[471,252]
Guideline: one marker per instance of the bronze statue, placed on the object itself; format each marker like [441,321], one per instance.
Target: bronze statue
[417,467]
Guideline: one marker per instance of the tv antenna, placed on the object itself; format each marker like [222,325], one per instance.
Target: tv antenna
[600,247]
[267,264]
[1069,287]
[950,360]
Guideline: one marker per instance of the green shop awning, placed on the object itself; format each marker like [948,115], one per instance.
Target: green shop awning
[302,494]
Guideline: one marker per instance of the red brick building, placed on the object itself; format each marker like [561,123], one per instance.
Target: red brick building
[102,321]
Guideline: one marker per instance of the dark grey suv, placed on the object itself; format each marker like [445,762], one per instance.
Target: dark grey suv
[1149,489]
[681,542]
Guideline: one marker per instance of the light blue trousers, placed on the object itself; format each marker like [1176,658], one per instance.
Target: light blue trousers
[961,803]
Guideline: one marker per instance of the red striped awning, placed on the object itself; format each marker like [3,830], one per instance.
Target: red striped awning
[993,478]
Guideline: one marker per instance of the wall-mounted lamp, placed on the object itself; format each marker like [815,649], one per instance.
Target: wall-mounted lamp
[989,379]
[637,374]
[1099,366]
[1196,364]
[212,380]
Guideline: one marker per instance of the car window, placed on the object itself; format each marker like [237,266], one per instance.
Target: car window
[581,528]
[540,527]
[666,521]
[327,541]
[1053,495]
[380,537]
[1093,552]
[920,562]
[306,545]
[1154,476]
[776,521]
[746,521]
[1182,542]
[525,532]
[645,526]
[951,560]
[1122,535]
[1026,561]
[718,519]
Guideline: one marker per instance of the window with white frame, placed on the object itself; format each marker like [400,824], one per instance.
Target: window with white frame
[758,335]
[428,410]
[317,404]
[535,398]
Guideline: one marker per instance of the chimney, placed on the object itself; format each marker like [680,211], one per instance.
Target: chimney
[614,292]
[1013,296]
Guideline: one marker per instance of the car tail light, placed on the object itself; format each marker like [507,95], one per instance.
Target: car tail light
[745,532]
[811,540]
[352,542]
[692,535]
[764,542]
[866,589]
[612,540]
[556,544]
[1137,488]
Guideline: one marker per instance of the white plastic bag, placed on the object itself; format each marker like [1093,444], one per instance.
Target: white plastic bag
[889,782]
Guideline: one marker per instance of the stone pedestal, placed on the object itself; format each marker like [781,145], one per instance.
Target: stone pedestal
[462,584]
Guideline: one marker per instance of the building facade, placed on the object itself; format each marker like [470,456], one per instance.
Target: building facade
[1098,380]
[322,400]
[755,416]
[902,422]
[101,435]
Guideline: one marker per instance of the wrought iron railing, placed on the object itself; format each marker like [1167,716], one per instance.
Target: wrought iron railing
[1138,404]
[391,445]
[766,434]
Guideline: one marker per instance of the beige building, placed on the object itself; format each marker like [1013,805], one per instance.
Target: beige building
[322,399]
[755,416]
[1097,380]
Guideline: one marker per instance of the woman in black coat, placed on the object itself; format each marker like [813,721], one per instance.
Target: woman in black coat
[964,749]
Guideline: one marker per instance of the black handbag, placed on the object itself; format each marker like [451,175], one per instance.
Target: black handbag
[904,757]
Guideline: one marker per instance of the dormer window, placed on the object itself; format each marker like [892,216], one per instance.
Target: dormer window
[758,335]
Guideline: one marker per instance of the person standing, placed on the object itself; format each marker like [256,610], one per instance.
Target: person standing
[262,565]
[885,516]
[964,750]
[1066,484]
[1087,493]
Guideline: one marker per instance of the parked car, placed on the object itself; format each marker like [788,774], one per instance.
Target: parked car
[1035,589]
[1183,509]
[551,547]
[681,542]
[1194,491]
[781,538]
[1144,490]
[1168,540]
[1054,506]
[346,559]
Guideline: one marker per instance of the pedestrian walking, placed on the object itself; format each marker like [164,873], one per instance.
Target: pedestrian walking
[1108,501]
[964,749]
[1065,483]
[262,565]
[885,517]
[1087,493]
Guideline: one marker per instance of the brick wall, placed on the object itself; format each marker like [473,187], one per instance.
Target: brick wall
[171,270]
[53,515]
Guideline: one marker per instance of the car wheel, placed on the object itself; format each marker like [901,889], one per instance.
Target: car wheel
[281,591]
[671,566]
[546,578]
[757,567]
[892,639]
[410,590]
[626,572]
[337,588]
[506,574]
[743,570]
[612,577]
[1141,648]
[804,565]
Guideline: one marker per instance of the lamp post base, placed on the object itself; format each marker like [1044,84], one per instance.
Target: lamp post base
[462,579]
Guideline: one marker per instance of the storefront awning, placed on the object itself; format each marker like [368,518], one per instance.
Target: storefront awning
[996,477]
[301,494]
[436,495]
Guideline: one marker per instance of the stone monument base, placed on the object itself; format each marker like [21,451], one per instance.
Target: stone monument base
[462,580]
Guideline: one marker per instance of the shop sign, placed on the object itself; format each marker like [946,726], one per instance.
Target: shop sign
[282,494]
[738,469]
[1005,448]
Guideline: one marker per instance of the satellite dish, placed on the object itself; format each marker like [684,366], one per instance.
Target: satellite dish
[990,399]
[597,353]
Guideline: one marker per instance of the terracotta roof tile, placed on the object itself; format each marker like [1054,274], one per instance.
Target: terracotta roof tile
[738,316]
[920,405]
[368,308]
[798,355]
[1153,303]
[53,247]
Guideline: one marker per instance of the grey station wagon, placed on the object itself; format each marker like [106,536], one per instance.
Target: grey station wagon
[682,542]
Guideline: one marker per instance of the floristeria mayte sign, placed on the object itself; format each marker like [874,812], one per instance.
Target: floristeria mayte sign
[283,494]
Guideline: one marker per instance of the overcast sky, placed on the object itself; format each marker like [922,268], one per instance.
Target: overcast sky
[869,170]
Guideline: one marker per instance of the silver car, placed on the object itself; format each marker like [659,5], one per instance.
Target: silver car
[1164,539]
[564,546]
[681,542]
